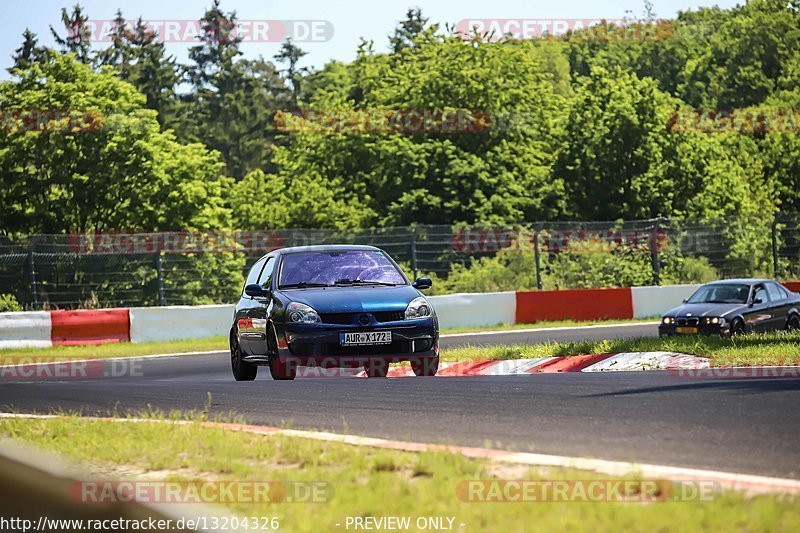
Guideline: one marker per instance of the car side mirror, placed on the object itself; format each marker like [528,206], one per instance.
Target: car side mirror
[422,283]
[685,300]
[757,301]
[256,291]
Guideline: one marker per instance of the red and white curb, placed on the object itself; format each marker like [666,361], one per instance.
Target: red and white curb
[609,362]
[747,483]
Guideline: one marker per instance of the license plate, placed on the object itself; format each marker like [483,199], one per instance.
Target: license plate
[365,338]
[687,330]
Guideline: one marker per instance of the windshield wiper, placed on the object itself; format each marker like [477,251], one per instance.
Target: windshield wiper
[303,285]
[361,282]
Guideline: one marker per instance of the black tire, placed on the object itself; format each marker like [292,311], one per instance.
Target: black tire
[425,367]
[376,369]
[242,371]
[794,322]
[737,327]
[279,370]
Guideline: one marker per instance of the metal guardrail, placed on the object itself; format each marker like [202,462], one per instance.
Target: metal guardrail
[171,268]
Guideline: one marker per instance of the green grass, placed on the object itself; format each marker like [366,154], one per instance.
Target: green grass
[780,348]
[371,481]
[114,349]
[547,324]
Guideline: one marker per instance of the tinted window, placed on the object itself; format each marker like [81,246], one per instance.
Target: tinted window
[775,292]
[760,293]
[721,293]
[348,266]
[265,279]
[252,277]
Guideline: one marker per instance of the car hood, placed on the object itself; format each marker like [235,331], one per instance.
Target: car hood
[355,299]
[701,310]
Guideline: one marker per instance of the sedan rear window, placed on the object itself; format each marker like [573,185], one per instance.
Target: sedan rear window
[349,267]
[732,293]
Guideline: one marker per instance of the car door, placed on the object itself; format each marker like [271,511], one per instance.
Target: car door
[244,325]
[759,315]
[262,307]
[779,306]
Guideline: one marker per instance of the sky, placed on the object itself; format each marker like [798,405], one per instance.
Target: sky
[333,28]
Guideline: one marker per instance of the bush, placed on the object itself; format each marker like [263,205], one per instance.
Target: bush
[9,303]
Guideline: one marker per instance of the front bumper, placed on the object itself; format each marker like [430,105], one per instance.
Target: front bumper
[665,330]
[319,344]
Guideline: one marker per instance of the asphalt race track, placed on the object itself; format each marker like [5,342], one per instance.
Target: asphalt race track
[737,425]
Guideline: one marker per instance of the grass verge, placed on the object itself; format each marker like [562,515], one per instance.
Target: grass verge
[371,481]
[114,349]
[779,348]
[547,324]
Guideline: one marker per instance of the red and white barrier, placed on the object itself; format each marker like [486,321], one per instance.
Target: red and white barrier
[475,310]
[154,324]
[21,329]
[158,324]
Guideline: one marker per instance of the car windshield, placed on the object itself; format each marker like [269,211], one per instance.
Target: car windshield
[721,294]
[339,268]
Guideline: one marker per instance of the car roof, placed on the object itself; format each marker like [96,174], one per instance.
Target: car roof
[746,281]
[326,248]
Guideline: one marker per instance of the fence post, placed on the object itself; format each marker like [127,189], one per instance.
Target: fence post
[537,260]
[654,253]
[775,248]
[414,252]
[160,278]
[32,271]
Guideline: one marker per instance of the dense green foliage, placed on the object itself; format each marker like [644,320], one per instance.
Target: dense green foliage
[576,127]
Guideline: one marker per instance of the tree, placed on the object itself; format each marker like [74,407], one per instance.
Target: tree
[30,52]
[290,55]
[408,30]
[141,60]
[78,37]
[101,163]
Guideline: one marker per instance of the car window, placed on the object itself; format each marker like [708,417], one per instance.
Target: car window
[775,293]
[760,293]
[329,268]
[719,293]
[265,278]
[252,277]
[786,292]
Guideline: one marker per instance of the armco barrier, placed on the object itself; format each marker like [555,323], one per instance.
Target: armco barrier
[655,301]
[475,309]
[578,304]
[153,324]
[21,329]
[90,327]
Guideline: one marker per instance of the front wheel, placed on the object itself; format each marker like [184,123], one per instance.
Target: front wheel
[737,328]
[280,370]
[425,367]
[242,371]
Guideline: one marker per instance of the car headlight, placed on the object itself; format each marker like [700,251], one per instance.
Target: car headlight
[302,314]
[668,320]
[717,321]
[418,308]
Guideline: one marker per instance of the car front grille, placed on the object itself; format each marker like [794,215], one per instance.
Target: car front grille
[690,321]
[353,318]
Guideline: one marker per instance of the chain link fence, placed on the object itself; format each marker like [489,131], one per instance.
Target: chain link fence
[190,268]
